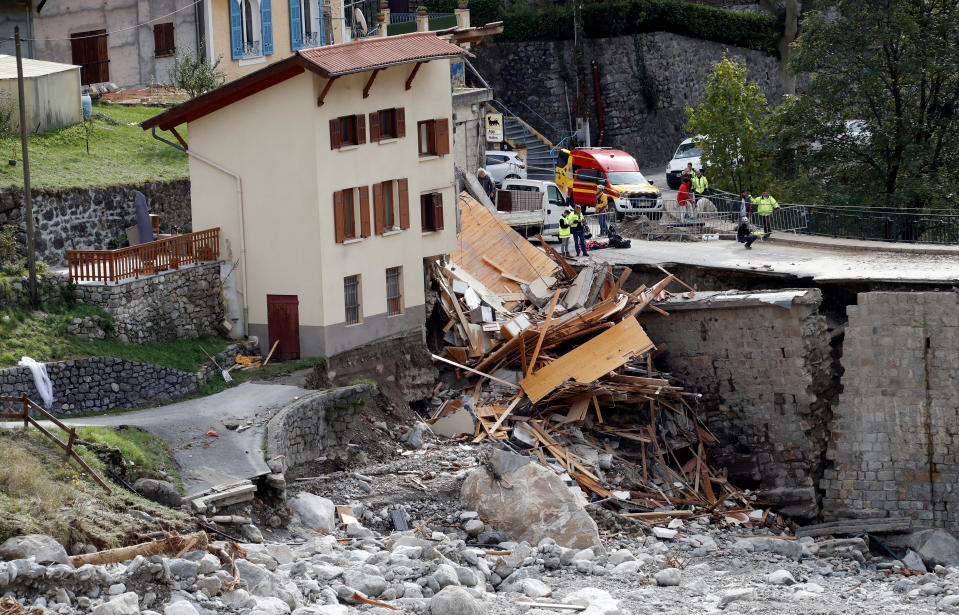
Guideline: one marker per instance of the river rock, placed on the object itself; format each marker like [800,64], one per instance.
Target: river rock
[44,549]
[537,504]
[454,600]
[124,604]
[789,548]
[936,546]
[668,577]
[314,511]
[781,577]
[159,491]
[597,601]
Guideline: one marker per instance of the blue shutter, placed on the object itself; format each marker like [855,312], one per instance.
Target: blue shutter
[236,31]
[322,29]
[296,27]
[266,16]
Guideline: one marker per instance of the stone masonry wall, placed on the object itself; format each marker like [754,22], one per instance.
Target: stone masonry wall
[100,383]
[542,74]
[90,218]
[316,424]
[171,305]
[895,442]
[763,371]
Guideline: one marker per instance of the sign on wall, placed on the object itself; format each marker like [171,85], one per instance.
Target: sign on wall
[494,127]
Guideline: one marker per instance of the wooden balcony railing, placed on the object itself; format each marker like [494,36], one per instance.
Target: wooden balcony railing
[114,266]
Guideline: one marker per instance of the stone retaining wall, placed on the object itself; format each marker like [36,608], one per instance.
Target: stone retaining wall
[894,445]
[98,384]
[316,423]
[764,372]
[90,218]
[178,304]
[542,74]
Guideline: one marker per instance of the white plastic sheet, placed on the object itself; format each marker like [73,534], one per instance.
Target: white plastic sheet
[40,379]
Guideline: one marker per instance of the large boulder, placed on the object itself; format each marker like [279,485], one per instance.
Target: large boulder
[935,547]
[159,491]
[452,600]
[43,549]
[529,503]
[315,512]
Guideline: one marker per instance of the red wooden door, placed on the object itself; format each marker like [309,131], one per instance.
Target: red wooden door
[90,53]
[283,321]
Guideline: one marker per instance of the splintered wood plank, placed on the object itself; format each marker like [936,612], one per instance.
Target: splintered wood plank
[502,417]
[591,360]
[577,411]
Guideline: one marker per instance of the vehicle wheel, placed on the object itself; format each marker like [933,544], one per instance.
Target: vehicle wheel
[620,216]
[672,185]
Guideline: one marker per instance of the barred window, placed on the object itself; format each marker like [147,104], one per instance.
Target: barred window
[394,296]
[351,291]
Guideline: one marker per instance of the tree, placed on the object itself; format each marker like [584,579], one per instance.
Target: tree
[192,74]
[731,118]
[891,69]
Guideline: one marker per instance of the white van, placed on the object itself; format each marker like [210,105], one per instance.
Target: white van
[688,151]
[530,206]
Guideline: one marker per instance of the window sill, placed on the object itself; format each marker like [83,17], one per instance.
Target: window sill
[252,61]
[164,54]
[355,324]
[388,140]
[428,157]
[391,233]
[394,315]
[353,240]
[346,148]
[431,232]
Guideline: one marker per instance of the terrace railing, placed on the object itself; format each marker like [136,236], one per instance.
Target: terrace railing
[114,266]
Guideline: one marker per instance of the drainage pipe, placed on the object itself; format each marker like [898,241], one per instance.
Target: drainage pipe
[599,104]
[239,204]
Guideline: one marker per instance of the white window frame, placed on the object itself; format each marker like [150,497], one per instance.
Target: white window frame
[254,24]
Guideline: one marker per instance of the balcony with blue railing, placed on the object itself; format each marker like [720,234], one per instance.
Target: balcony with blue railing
[311,39]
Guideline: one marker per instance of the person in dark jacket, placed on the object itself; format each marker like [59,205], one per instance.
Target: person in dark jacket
[744,233]
[487,182]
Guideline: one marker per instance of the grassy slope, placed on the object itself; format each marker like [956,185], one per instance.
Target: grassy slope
[119,152]
[41,492]
[43,336]
[150,456]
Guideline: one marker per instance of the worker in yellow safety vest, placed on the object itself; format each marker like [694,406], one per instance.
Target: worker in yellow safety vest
[577,224]
[764,206]
[565,233]
[700,184]
[602,206]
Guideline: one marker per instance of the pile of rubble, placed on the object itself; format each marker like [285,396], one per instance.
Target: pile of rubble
[554,363]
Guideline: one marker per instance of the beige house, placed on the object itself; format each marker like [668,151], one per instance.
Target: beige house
[331,179]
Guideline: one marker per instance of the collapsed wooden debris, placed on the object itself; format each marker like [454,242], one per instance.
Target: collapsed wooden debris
[558,366]
[171,545]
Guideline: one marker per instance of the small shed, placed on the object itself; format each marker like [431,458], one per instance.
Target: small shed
[51,91]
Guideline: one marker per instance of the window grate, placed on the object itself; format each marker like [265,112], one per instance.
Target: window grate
[394,298]
[351,289]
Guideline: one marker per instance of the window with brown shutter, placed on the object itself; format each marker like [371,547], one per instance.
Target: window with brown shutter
[360,129]
[431,211]
[347,130]
[403,198]
[163,43]
[442,137]
[374,127]
[426,137]
[379,211]
[400,122]
[336,138]
[364,211]
[339,217]
[89,52]
[349,218]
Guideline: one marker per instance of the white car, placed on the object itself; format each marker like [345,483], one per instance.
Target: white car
[688,151]
[503,165]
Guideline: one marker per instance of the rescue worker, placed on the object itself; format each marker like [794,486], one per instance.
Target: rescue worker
[602,204]
[700,184]
[577,224]
[764,207]
[744,233]
[564,233]
[682,199]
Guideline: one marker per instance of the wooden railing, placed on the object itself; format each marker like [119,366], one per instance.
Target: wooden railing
[28,404]
[113,266]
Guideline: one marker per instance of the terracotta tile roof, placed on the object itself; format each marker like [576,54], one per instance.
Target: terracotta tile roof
[329,61]
[373,53]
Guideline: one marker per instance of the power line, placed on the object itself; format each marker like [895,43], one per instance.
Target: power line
[146,23]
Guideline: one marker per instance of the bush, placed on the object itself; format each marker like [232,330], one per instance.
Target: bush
[194,75]
[10,260]
[604,18]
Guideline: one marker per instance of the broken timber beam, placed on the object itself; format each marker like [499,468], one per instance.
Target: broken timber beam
[173,545]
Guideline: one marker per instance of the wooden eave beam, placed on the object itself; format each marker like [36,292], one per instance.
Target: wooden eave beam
[369,83]
[326,90]
[179,138]
[409,80]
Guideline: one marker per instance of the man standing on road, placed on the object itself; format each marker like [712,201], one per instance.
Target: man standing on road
[764,207]
[564,233]
[682,199]
[700,184]
[576,224]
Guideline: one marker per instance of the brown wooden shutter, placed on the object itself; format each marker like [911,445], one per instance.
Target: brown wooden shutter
[339,216]
[163,41]
[437,211]
[379,209]
[425,204]
[374,127]
[442,137]
[364,211]
[335,138]
[402,187]
[400,122]
[360,129]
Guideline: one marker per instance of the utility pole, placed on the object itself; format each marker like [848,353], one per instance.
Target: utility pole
[27,196]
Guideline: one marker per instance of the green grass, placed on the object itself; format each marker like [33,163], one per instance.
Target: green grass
[43,336]
[150,455]
[119,152]
[273,370]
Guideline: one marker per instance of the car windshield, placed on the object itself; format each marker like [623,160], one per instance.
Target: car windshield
[688,150]
[627,178]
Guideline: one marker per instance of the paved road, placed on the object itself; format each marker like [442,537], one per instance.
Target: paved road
[206,461]
[821,264]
